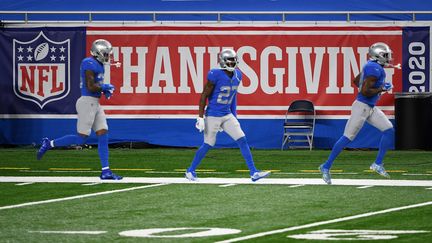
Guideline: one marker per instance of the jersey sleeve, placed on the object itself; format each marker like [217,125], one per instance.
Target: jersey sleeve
[211,76]
[88,65]
[372,70]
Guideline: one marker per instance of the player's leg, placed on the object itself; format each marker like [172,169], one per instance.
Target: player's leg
[359,114]
[86,115]
[380,121]
[101,127]
[212,125]
[232,127]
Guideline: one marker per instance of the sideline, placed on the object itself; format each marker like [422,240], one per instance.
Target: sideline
[212,180]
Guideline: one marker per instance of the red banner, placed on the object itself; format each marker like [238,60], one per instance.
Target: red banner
[164,69]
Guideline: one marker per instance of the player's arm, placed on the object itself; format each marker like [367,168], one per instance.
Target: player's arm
[356,80]
[234,105]
[90,82]
[368,88]
[208,89]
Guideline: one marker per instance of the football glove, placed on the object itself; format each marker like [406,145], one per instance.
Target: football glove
[387,87]
[200,124]
[107,87]
[107,90]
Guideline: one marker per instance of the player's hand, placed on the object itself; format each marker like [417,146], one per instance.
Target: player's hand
[108,94]
[387,87]
[220,129]
[107,90]
[200,124]
[107,87]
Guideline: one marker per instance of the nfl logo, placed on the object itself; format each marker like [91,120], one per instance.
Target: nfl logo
[41,69]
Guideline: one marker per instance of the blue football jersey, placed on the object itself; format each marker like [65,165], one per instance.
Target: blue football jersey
[371,68]
[224,92]
[91,64]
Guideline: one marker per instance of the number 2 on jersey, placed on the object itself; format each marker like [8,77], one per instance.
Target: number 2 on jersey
[225,93]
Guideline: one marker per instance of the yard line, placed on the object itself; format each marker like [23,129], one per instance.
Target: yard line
[363,215]
[294,186]
[24,183]
[79,196]
[91,184]
[70,232]
[364,187]
[227,185]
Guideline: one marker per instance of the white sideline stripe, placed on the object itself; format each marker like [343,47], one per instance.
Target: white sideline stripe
[213,180]
[79,196]
[70,232]
[24,183]
[363,215]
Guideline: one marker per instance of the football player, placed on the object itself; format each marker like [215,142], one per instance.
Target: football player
[90,113]
[371,85]
[221,113]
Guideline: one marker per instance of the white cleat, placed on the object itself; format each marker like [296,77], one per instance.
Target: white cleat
[191,175]
[379,169]
[260,174]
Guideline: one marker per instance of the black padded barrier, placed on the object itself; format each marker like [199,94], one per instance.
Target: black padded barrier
[413,118]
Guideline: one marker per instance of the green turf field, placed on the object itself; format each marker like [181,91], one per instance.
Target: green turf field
[222,211]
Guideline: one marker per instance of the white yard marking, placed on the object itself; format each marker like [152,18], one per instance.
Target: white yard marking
[213,180]
[227,185]
[70,232]
[363,215]
[92,184]
[24,183]
[418,174]
[79,196]
[293,186]
[364,187]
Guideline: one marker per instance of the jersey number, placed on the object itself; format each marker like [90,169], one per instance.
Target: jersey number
[225,93]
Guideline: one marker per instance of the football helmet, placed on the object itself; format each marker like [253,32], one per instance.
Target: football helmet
[228,59]
[102,50]
[381,53]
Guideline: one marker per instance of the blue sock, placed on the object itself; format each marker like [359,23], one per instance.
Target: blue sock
[247,155]
[199,155]
[69,140]
[337,148]
[103,150]
[386,142]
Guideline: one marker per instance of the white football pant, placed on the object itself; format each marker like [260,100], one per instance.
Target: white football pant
[361,112]
[90,115]
[228,123]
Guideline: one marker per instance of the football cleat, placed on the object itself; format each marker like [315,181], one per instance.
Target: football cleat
[191,175]
[109,175]
[259,174]
[379,169]
[325,174]
[46,145]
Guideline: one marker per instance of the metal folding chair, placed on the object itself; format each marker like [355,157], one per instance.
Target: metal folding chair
[299,125]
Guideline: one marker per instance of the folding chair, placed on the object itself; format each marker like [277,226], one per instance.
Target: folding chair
[299,131]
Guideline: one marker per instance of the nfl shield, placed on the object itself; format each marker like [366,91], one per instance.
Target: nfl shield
[41,69]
